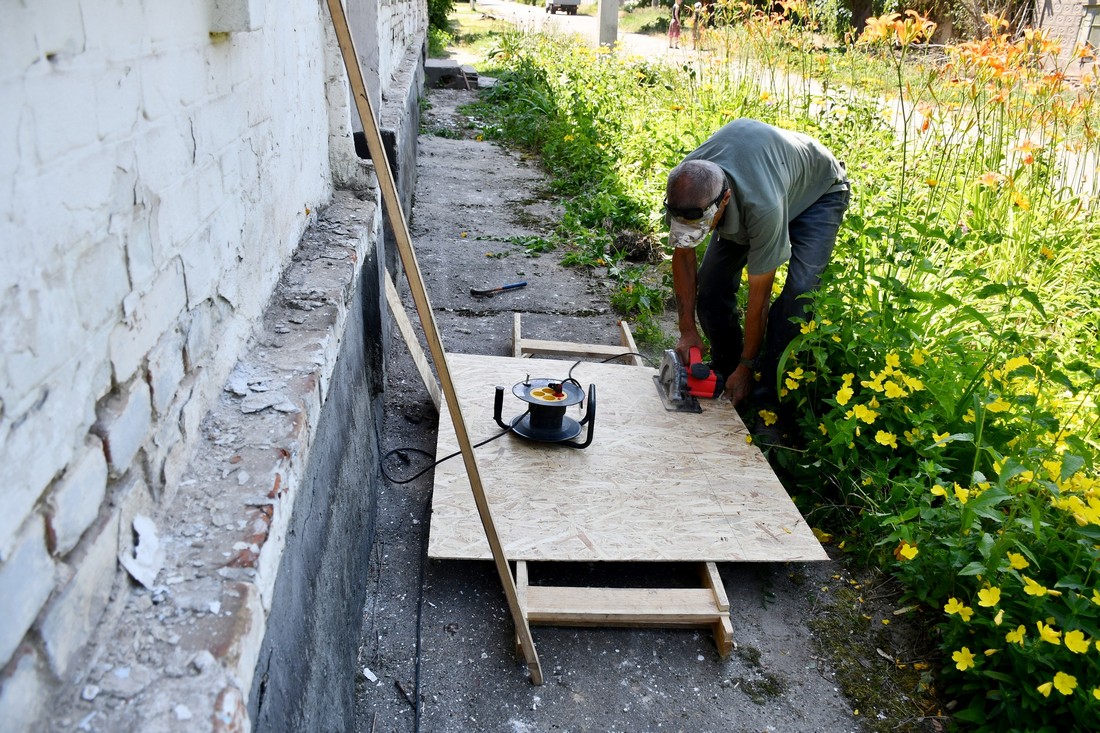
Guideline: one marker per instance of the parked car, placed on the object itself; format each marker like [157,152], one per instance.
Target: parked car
[567,6]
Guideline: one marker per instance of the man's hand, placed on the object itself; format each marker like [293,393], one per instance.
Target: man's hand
[686,343]
[739,384]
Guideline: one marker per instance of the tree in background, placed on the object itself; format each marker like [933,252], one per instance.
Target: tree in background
[438,10]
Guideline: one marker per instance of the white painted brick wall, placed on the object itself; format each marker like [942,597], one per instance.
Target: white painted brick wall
[154,179]
[73,614]
[26,580]
[74,503]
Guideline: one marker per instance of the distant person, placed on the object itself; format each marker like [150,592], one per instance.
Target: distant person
[770,196]
[696,24]
[674,26]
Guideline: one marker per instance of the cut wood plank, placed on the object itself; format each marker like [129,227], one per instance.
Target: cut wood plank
[404,325]
[537,347]
[523,347]
[671,607]
[627,339]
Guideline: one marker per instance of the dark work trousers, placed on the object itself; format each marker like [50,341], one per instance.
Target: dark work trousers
[813,235]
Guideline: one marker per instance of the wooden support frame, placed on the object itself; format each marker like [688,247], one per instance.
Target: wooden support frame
[524,347]
[396,215]
[705,606]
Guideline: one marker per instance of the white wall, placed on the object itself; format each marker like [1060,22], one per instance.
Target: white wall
[154,179]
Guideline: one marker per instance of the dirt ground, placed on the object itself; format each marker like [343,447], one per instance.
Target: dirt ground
[437,644]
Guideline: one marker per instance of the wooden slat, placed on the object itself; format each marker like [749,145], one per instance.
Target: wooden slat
[564,606]
[524,347]
[627,340]
[538,347]
[399,224]
[713,581]
[404,325]
[517,339]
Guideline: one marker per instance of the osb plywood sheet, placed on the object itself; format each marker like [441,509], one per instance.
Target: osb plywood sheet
[653,486]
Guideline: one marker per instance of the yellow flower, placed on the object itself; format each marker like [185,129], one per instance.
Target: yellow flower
[998,405]
[1017,636]
[917,357]
[969,416]
[884,438]
[1020,200]
[989,597]
[843,395]
[1096,692]
[1065,683]
[1096,596]
[809,326]
[955,606]
[822,428]
[938,490]
[908,551]
[1033,588]
[963,495]
[912,383]
[792,384]
[1019,562]
[769,417]
[999,617]
[1045,688]
[1015,363]
[940,437]
[893,390]
[963,659]
[864,413]
[1049,634]
[893,360]
[1076,642]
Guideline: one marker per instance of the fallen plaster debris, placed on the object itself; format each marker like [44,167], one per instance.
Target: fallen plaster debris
[148,557]
[264,400]
[371,676]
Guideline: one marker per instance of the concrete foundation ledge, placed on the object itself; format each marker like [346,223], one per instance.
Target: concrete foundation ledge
[252,561]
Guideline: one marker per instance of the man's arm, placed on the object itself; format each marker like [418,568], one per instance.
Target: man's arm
[739,384]
[683,285]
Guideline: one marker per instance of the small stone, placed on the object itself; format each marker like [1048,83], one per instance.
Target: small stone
[242,478]
[182,712]
[202,661]
[89,693]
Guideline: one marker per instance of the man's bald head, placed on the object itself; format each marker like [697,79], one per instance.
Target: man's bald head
[694,183]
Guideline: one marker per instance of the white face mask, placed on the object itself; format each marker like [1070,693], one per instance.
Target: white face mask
[688,233]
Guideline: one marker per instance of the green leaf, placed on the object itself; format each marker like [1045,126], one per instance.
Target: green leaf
[974,568]
[1032,298]
[1071,464]
[990,290]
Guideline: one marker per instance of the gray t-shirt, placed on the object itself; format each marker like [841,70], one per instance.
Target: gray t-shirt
[774,176]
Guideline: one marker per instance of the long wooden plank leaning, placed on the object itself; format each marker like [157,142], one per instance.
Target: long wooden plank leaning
[427,321]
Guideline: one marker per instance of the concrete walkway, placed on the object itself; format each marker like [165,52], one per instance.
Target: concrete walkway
[437,634]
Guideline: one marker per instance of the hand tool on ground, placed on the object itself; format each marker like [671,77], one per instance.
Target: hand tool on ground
[680,386]
[493,291]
